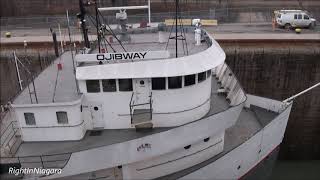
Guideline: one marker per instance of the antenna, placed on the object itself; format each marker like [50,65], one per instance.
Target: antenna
[182,35]
[84,28]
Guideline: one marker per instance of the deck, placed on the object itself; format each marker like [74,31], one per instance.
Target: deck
[94,139]
[53,85]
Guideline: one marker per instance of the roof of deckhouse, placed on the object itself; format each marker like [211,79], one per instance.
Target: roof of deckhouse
[199,59]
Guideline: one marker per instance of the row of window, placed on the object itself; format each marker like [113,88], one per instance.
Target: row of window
[62,118]
[110,85]
[299,16]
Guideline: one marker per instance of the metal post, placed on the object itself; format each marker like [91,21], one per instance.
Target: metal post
[17,68]
[302,92]
[61,43]
[97,22]
[83,24]
[177,28]
[71,49]
[149,12]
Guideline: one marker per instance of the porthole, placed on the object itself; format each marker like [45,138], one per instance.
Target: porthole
[187,147]
[142,82]
[206,139]
[96,108]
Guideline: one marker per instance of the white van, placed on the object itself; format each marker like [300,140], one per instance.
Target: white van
[294,18]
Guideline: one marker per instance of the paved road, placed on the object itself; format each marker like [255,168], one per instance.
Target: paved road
[222,31]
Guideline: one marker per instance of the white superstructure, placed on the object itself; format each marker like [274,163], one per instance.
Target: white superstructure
[143,114]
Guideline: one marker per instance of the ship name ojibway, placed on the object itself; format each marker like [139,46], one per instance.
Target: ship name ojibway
[120,56]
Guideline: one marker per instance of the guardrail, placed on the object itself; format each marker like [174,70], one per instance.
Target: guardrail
[132,105]
[41,161]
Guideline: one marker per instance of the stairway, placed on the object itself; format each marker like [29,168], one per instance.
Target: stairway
[142,118]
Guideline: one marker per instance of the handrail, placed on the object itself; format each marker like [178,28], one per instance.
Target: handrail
[6,129]
[41,160]
[132,105]
[150,101]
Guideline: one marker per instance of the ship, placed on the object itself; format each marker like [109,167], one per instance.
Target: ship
[142,108]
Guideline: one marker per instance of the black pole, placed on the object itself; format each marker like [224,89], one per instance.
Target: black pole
[55,43]
[98,23]
[177,1]
[83,24]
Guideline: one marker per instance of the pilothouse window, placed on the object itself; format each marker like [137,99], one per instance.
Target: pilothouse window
[93,86]
[208,73]
[189,80]
[125,84]
[109,85]
[175,82]
[158,83]
[202,76]
[62,117]
[30,120]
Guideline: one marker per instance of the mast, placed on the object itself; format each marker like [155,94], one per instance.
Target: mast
[177,28]
[83,24]
[98,23]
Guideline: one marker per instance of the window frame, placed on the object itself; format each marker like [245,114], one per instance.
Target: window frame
[66,115]
[209,73]
[158,89]
[26,117]
[130,88]
[114,89]
[204,76]
[194,80]
[97,86]
[175,87]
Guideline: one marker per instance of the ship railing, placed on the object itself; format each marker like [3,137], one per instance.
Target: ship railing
[133,106]
[10,135]
[40,161]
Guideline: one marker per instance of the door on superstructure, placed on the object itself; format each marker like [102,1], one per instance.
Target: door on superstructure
[142,90]
[97,115]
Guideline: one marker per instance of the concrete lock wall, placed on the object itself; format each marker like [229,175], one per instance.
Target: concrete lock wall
[55,7]
[279,72]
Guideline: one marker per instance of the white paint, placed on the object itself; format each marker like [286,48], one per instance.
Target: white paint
[47,127]
[18,71]
[247,154]
[265,103]
[197,36]
[195,63]
[96,111]
[142,93]
[171,107]
[162,37]
[122,7]
[175,161]
[162,143]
